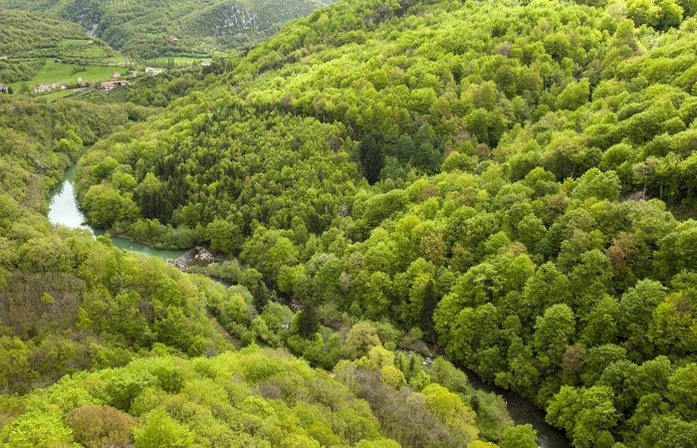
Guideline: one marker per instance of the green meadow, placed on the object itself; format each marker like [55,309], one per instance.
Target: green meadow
[58,94]
[54,71]
[93,51]
[75,42]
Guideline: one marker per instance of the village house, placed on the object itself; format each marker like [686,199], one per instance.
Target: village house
[108,85]
[116,75]
[4,57]
[205,64]
[134,74]
[172,38]
[43,88]
[3,88]
[153,71]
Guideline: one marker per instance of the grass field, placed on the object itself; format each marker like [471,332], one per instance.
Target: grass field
[59,94]
[74,42]
[60,72]
[91,51]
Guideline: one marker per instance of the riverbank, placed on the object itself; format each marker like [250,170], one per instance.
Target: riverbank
[523,411]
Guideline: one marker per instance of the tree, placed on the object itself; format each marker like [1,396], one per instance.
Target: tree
[371,156]
[35,429]
[105,206]
[548,286]
[670,14]
[95,426]
[597,184]
[586,414]
[667,431]
[683,391]
[447,375]
[522,375]
[162,431]
[553,333]
[16,372]
[601,327]
[223,236]
[520,436]
[46,255]
[307,321]
[574,95]
[430,301]
[151,198]
[589,280]
[643,12]
[572,363]
[450,409]
[634,313]
[361,338]
[672,327]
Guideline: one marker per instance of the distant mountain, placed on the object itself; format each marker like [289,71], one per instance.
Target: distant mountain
[151,28]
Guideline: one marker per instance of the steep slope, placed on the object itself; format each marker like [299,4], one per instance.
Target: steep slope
[255,398]
[473,172]
[155,341]
[146,29]
[67,302]
[21,32]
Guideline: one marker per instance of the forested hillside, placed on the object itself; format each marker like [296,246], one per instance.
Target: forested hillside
[494,178]
[147,29]
[103,347]
[22,32]
[28,35]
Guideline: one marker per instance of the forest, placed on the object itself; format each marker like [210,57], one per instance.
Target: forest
[507,195]
[506,186]
[104,347]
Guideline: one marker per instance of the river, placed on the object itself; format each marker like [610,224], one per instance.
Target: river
[523,411]
[63,210]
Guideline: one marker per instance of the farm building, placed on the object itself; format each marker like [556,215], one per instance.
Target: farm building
[42,88]
[112,84]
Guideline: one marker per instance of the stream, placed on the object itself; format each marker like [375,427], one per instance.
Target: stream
[63,210]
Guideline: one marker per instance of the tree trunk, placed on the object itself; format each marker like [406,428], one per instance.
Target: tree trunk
[646,179]
[660,196]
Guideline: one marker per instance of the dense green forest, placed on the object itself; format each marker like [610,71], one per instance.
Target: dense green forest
[496,179]
[142,29]
[103,347]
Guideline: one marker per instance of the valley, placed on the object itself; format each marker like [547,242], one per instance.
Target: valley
[63,211]
[435,224]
